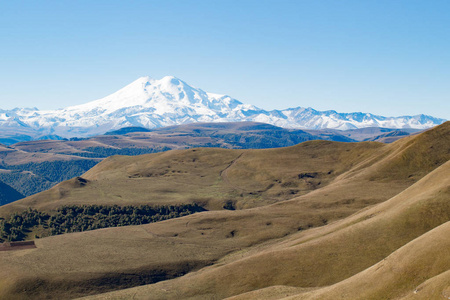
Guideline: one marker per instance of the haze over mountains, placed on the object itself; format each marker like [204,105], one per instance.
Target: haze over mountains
[169,101]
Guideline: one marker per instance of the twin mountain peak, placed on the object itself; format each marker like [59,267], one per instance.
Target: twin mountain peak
[152,103]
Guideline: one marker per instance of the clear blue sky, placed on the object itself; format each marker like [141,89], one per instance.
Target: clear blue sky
[386,57]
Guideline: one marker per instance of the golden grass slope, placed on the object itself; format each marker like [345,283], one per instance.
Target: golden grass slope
[392,244]
[400,274]
[236,252]
[208,176]
[434,288]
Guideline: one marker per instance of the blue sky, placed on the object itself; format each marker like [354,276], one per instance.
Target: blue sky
[385,57]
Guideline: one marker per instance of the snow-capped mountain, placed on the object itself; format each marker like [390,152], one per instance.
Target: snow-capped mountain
[154,103]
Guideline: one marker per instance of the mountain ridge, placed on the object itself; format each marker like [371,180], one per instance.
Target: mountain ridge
[153,103]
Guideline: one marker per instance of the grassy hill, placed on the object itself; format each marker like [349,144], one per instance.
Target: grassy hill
[354,206]
[211,177]
[34,166]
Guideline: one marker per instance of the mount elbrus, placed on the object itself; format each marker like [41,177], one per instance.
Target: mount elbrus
[169,101]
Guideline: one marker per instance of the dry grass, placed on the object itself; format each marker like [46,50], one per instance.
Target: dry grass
[399,274]
[276,245]
[332,253]
[437,287]
[208,176]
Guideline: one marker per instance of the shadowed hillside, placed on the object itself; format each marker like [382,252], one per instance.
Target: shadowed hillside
[338,225]
[8,194]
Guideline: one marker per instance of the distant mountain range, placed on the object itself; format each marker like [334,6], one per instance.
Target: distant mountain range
[151,103]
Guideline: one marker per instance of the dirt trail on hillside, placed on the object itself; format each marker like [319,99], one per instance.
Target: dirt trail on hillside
[224,174]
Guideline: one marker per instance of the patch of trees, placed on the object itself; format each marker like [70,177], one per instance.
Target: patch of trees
[16,227]
[25,182]
[58,170]
[255,140]
[74,218]
[32,178]
[102,152]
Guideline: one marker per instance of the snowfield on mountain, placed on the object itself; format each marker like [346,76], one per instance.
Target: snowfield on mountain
[169,101]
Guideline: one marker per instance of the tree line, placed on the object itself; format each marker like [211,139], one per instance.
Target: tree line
[34,177]
[73,218]
[102,152]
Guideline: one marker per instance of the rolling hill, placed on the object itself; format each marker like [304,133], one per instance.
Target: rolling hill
[384,252]
[316,220]
[35,166]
